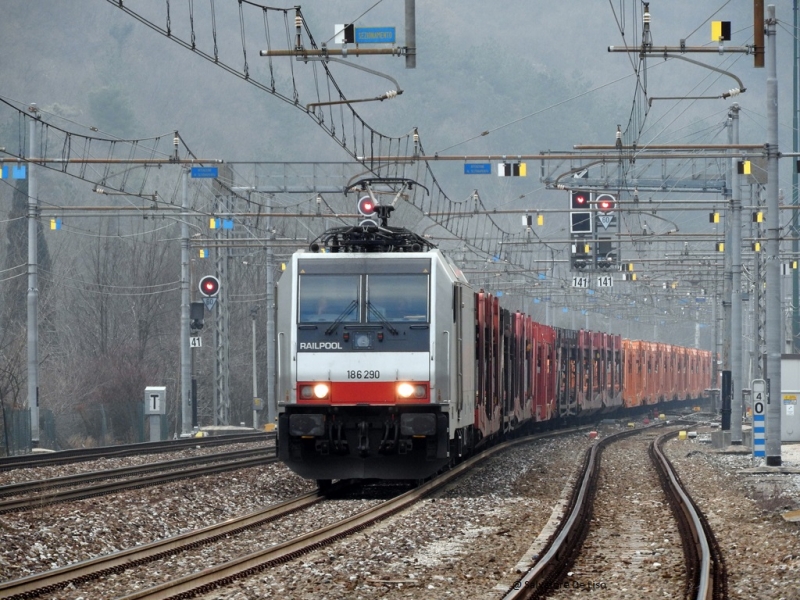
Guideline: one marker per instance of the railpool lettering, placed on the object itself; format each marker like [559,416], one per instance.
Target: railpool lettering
[320,346]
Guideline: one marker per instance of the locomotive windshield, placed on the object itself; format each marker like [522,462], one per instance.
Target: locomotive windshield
[364,291]
[329,298]
[397,298]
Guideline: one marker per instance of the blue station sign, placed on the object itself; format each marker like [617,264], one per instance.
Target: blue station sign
[375,35]
[205,172]
[477,168]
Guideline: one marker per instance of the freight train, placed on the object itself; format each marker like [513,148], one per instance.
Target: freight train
[390,366]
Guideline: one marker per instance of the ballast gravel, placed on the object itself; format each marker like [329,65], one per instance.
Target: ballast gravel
[467,541]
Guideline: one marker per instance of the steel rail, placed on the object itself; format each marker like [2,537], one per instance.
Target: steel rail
[51,581]
[82,454]
[215,576]
[709,578]
[45,485]
[568,537]
[54,497]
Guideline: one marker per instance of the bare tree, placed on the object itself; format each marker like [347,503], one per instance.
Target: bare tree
[119,321]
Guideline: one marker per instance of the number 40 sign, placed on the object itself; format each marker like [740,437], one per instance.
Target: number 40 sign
[759,387]
[760,399]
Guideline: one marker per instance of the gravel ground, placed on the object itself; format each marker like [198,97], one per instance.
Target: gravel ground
[228,548]
[761,549]
[59,534]
[460,543]
[465,542]
[633,549]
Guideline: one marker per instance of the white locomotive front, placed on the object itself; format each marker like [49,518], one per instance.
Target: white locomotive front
[374,372]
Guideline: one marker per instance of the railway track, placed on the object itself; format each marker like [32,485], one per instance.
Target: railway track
[50,582]
[704,567]
[83,454]
[242,566]
[705,562]
[223,574]
[36,494]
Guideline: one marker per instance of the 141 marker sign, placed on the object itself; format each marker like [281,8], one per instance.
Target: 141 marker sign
[580,281]
[605,281]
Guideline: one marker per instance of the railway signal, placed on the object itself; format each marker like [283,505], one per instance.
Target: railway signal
[209,289]
[580,222]
[209,286]
[366,206]
[579,200]
[606,203]
[581,255]
[196,315]
[606,254]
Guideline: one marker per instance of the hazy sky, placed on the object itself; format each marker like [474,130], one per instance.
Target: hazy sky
[55,52]
[475,64]
[61,53]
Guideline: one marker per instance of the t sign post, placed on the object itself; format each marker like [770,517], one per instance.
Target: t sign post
[155,407]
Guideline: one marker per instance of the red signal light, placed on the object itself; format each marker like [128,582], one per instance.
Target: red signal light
[209,286]
[580,200]
[605,203]
[366,206]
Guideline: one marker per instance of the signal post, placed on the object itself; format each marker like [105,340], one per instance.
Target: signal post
[593,221]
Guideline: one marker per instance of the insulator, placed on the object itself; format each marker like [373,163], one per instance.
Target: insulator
[298,21]
[734,92]
[391,94]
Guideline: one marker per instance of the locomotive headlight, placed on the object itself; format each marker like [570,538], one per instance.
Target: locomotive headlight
[317,390]
[409,390]
[405,390]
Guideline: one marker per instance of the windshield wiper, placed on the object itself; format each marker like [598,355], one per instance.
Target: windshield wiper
[372,310]
[345,313]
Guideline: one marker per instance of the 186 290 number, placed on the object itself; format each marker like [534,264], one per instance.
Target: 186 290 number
[363,374]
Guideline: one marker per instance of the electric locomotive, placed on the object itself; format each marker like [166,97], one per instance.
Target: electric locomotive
[374,356]
[391,366]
